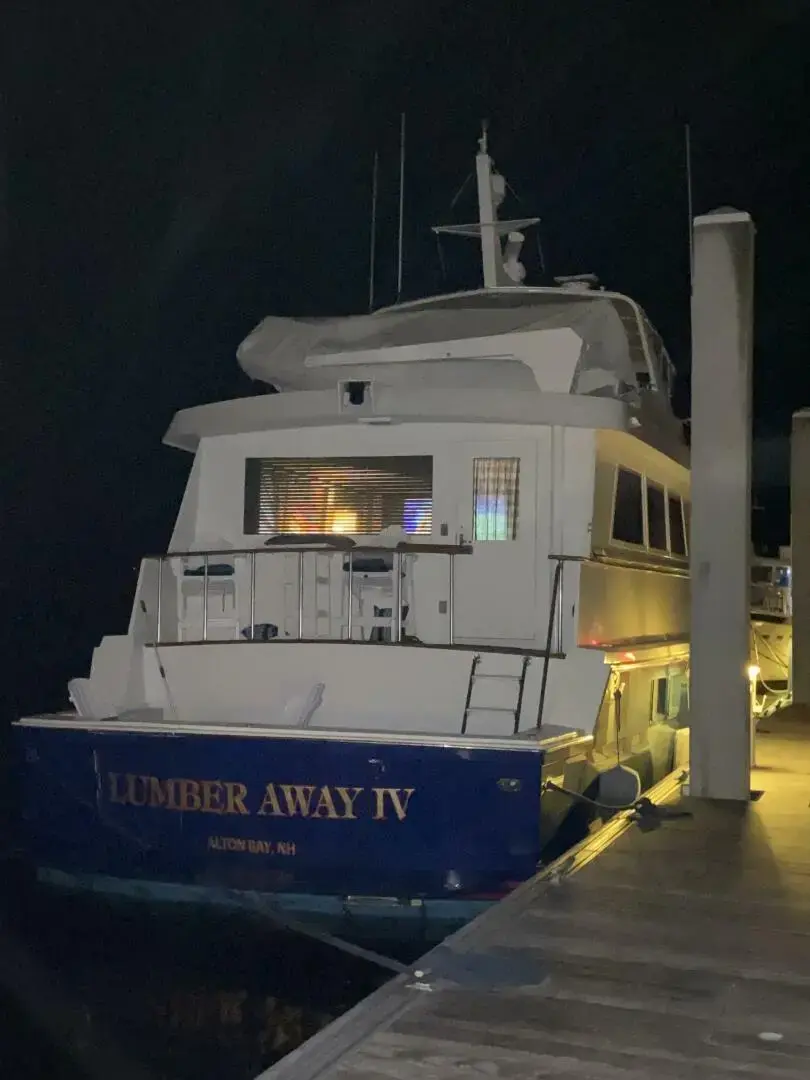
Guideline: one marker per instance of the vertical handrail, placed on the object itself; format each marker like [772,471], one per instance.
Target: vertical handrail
[351,595]
[159,601]
[473,668]
[560,606]
[398,596]
[252,595]
[300,595]
[205,597]
[524,667]
[451,599]
[555,589]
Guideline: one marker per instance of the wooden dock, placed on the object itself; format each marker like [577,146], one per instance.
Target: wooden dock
[678,953]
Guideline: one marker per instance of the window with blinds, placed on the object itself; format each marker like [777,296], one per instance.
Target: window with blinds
[356,495]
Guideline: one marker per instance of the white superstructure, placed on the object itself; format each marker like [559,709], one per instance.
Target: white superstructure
[511,458]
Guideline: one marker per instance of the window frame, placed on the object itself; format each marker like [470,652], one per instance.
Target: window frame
[515,498]
[674,495]
[668,493]
[254,509]
[632,544]
[664,491]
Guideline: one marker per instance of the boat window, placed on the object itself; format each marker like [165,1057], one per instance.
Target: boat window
[628,510]
[677,540]
[357,495]
[660,698]
[656,517]
[495,498]
[635,342]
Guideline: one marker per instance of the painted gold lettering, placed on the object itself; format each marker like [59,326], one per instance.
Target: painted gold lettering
[270,805]
[235,798]
[399,799]
[163,793]
[325,806]
[116,794]
[189,795]
[212,797]
[137,792]
[298,798]
[348,797]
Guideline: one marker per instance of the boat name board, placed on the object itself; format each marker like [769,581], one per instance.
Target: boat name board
[278,800]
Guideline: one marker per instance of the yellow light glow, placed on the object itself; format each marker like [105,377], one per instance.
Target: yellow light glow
[753,672]
[343,521]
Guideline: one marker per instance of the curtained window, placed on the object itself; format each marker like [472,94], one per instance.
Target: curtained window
[495,498]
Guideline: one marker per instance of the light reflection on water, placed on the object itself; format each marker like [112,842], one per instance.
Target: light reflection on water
[177,992]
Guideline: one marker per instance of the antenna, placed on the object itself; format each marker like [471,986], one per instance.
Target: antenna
[401,202]
[688,148]
[373,241]
[502,268]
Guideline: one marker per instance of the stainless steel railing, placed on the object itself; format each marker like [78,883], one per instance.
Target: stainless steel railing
[773,600]
[337,547]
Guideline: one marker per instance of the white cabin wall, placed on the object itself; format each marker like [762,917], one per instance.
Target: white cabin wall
[223,475]
[631,595]
[573,457]
[186,525]
[220,485]
[572,482]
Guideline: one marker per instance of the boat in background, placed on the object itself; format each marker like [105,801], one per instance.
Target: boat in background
[417,604]
[771,632]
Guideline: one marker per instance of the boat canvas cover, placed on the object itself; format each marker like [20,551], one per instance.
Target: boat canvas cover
[276,352]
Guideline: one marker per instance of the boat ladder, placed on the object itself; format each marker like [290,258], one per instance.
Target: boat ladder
[472,705]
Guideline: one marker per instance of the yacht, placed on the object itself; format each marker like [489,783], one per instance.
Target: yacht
[420,598]
[771,631]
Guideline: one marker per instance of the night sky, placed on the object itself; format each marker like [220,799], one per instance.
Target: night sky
[173,172]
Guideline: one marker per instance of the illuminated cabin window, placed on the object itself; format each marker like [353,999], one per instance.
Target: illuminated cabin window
[656,517]
[628,508]
[358,495]
[677,536]
[495,498]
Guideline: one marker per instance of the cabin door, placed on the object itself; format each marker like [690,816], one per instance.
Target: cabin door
[495,587]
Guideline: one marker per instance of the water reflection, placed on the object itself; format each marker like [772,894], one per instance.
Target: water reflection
[176,993]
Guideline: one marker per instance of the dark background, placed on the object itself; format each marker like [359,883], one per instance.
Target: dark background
[172,172]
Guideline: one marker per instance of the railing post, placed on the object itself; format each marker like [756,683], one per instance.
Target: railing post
[451,599]
[159,601]
[205,597]
[398,595]
[351,595]
[300,595]
[560,606]
[555,588]
[252,595]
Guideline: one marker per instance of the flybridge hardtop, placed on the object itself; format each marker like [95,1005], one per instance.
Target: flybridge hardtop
[599,338]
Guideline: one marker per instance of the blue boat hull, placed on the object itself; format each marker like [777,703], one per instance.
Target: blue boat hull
[325,830]
[360,838]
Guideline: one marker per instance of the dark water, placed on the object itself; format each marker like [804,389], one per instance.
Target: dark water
[89,988]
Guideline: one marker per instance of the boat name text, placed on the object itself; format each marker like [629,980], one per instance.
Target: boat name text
[328,802]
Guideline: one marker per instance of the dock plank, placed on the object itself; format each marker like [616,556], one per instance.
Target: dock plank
[670,955]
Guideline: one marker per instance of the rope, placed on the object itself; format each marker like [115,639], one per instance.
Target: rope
[642,806]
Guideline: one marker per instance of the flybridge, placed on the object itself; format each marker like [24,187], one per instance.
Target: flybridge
[572,338]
